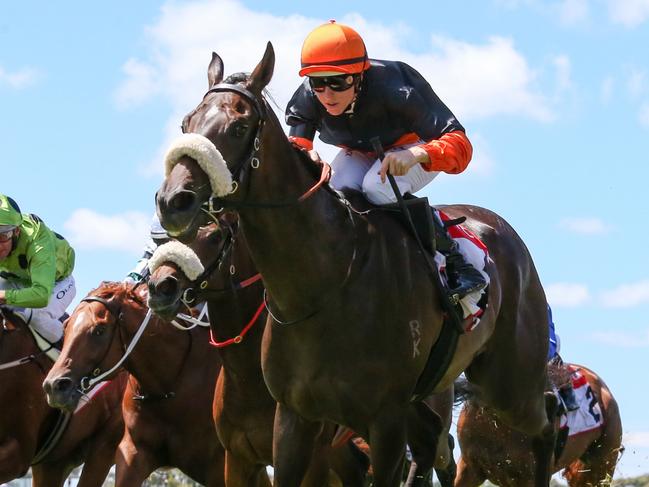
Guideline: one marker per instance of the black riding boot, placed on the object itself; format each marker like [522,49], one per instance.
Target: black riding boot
[568,397]
[463,278]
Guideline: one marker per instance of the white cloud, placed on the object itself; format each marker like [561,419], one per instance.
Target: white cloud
[482,80]
[623,339]
[606,89]
[637,82]
[573,11]
[124,232]
[629,13]
[584,226]
[643,116]
[482,163]
[626,295]
[18,79]
[637,439]
[567,295]
[139,85]
[477,80]
[563,73]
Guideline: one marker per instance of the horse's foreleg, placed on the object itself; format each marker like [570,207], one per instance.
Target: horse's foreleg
[293,442]
[350,464]
[132,465]
[543,444]
[428,436]
[13,463]
[241,473]
[101,456]
[387,440]
[446,475]
[50,475]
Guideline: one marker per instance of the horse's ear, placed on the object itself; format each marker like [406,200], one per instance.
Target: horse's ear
[262,74]
[215,70]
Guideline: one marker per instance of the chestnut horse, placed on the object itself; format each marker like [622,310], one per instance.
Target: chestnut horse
[26,422]
[243,407]
[168,400]
[355,312]
[492,451]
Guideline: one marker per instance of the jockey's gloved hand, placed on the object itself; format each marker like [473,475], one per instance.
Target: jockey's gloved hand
[399,162]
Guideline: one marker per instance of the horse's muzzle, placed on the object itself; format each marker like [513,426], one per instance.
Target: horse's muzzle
[62,393]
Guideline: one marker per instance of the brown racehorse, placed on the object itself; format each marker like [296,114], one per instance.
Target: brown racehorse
[243,407]
[91,436]
[167,405]
[245,424]
[355,311]
[492,451]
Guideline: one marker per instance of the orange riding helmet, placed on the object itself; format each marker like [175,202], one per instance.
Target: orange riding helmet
[332,49]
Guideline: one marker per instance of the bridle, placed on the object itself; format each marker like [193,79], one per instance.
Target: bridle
[88,382]
[199,290]
[252,159]
[216,205]
[22,360]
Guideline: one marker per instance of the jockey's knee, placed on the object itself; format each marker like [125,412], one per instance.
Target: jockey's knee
[377,192]
[47,326]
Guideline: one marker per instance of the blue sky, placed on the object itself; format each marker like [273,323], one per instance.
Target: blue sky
[553,94]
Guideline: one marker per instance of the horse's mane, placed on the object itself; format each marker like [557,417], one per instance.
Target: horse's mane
[107,289]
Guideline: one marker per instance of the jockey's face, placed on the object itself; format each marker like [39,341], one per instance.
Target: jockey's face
[336,102]
[6,244]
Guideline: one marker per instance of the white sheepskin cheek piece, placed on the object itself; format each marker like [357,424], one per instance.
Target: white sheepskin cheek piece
[181,255]
[208,157]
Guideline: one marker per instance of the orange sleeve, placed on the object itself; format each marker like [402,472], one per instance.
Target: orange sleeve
[450,153]
[301,142]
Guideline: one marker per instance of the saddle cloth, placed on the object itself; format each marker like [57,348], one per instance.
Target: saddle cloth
[589,415]
[476,253]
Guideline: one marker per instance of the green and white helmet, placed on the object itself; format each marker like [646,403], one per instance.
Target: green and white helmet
[10,216]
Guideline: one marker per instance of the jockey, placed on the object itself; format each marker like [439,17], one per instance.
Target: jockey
[157,236]
[36,271]
[349,99]
[566,392]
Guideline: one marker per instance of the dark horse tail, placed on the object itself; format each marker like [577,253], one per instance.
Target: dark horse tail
[463,391]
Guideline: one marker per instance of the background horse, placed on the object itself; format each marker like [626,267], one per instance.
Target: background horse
[91,436]
[354,309]
[243,408]
[168,400]
[492,451]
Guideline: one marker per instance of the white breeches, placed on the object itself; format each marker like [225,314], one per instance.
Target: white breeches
[46,320]
[357,170]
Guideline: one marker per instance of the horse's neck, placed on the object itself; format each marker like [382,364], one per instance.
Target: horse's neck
[294,246]
[157,357]
[232,312]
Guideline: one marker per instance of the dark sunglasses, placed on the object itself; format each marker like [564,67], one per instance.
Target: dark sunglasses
[336,83]
[6,236]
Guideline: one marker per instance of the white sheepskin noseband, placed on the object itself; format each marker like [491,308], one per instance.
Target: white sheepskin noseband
[208,157]
[179,254]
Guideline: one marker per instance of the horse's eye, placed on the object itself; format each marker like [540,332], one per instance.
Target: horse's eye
[98,330]
[240,130]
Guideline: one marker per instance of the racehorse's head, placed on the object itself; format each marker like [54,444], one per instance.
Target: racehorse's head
[221,142]
[93,342]
[180,274]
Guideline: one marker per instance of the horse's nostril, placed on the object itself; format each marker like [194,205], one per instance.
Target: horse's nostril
[62,384]
[168,287]
[183,201]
